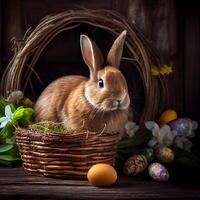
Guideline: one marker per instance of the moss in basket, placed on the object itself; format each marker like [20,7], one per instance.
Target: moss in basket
[48,126]
[59,128]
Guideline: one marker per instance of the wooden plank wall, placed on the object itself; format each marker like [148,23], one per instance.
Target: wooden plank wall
[191,55]
[171,26]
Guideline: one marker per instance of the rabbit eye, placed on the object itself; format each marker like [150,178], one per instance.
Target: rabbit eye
[100,83]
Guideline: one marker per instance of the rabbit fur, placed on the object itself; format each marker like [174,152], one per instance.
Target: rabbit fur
[99,103]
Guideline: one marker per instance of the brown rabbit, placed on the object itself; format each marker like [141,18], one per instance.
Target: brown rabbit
[99,103]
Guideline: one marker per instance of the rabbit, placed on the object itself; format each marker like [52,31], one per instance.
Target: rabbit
[99,103]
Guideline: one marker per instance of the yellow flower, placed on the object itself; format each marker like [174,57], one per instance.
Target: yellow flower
[165,70]
[162,70]
[155,71]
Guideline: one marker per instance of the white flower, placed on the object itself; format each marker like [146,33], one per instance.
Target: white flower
[183,143]
[131,128]
[8,116]
[162,136]
[185,128]
[193,127]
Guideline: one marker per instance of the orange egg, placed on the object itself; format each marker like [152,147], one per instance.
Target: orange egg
[167,116]
[102,175]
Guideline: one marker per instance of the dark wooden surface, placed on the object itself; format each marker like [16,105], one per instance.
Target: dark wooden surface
[15,184]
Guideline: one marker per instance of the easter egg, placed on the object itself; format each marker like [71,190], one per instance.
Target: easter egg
[165,154]
[149,154]
[158,172]
[102,175]
[135,165]
[167,116]
[183,126]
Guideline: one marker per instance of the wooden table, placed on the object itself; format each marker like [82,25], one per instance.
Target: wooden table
[15,184]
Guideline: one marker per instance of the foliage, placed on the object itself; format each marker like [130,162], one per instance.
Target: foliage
[12,115]
[186,158]
[140,141]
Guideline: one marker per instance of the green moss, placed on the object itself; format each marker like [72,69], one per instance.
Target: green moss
[48,126]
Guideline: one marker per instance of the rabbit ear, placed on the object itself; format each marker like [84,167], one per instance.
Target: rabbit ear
[91,55]
[115,53]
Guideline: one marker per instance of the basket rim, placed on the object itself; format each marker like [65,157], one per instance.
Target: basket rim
[73,134]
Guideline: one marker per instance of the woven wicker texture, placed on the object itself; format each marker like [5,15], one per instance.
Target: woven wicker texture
[64,155]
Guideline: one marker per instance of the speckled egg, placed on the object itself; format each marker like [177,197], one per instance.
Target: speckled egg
[158,172]
[183,126]
[164,154]
[135,165]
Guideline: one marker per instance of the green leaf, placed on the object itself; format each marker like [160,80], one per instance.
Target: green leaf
[18,114]
[2,101]
[186,158]
[14,122]
[10,140]
[14,151]
[11,155]
[6,163]
[138,139]
[22,116]
[12,107]
[28,103]
[26,118]
[9,158]
[6,147]
[7,131]
[2,107]
[28,112]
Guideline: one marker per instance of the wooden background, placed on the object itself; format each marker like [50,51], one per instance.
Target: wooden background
[171,26]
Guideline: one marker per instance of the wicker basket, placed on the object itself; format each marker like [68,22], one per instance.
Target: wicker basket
[64,155]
